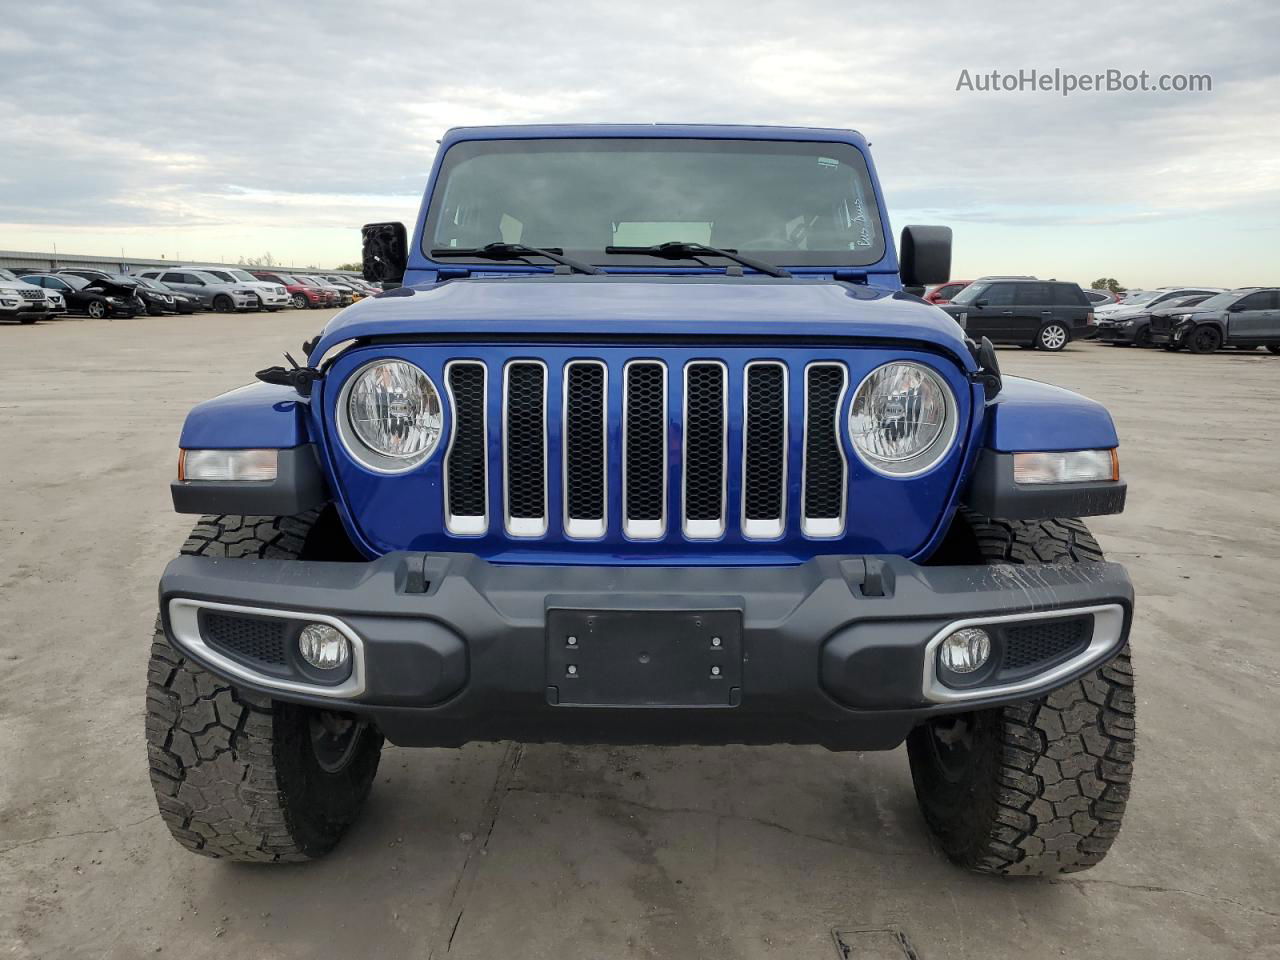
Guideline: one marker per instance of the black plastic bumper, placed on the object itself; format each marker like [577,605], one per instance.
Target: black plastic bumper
[453,648]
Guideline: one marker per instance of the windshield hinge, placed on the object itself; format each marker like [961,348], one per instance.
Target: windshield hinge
[988,372]
[300,378]
[850,276]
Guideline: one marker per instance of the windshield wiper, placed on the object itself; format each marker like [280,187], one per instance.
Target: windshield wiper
[682,250]
[516,251]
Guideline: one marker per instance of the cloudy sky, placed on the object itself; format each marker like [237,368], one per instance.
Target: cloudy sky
[232,129]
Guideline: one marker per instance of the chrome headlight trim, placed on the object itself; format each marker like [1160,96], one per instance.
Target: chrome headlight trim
[361,452]
[931,455]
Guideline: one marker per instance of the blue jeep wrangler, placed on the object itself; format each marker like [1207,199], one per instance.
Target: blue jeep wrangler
[646,442]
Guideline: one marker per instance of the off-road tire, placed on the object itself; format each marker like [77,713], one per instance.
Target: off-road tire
[1039,787]
[1204,339]
[235,773]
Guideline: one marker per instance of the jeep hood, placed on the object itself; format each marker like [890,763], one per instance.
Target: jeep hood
[585,308]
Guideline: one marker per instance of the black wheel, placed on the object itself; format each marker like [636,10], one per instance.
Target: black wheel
[1142,338]
[1172,347]
[299,301]
[1274,347]
[1205,338]
[27,321]
[97,309]
[222,304]
[1053,336]
[237,775]
[1039,787]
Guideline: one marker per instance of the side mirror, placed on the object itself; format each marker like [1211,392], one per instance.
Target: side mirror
[1235,308]
[924,255]
[386,252]
[981,303]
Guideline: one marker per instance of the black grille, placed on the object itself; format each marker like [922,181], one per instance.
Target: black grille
[704,442]
[465,463]
[823,466]
[766,437]
[646,422]
[246,638]
[1032,644]
[526,451]
[584,451]
[1161,324]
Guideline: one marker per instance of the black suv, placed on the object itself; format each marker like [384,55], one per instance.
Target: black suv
[1247,318]
[1046,314]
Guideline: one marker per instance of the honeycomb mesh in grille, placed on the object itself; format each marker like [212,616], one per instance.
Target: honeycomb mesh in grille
[824,466]
[704,442]
[584,450]
[1029,644]
[646,437]
[765,445]
[465,464]
[247,638]
[526,451]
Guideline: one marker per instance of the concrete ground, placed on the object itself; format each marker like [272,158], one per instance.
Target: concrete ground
[502,851]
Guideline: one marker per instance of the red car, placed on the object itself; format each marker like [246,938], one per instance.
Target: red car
[302,294]
[943,292]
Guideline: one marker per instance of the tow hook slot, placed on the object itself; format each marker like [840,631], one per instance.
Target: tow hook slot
[871,575]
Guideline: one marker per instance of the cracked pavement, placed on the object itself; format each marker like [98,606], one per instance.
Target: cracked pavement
[548,851]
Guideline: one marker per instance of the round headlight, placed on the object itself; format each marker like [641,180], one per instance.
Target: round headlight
[903,419]
[392,410]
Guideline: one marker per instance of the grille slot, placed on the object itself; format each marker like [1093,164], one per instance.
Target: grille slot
[764,450]
[525,460]
[255,639]
[825,468]
[1032,645]
[644,456]
[705,449]
[467,462]
[586,432]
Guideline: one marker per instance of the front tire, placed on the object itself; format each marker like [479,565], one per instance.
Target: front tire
[222,304]
[1039,787]
[237,775]
[97,309]
[1053,337]
[1204,339]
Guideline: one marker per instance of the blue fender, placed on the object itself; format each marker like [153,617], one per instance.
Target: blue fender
[1027,415]
[258,415]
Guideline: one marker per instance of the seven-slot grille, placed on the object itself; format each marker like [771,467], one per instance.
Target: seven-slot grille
[650,396]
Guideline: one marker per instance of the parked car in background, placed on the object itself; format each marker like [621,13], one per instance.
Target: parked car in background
[301,295]
[343,296]
[212,292]
[346,283]
[943,292]
[155,302]
[271,296]
[1099,298]
[1125,328]
[182,302]
[21,300]
[95,298]
[1045,314]
[1246,318]
[332,298]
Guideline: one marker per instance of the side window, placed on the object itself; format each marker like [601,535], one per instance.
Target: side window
[999,295]
[53,283]
[1034,294]
[1256,301]
[1069,295]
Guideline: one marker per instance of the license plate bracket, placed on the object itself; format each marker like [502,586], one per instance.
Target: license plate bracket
[644,658]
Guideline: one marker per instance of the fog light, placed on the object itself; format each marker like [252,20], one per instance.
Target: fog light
[324,647]
[965,650]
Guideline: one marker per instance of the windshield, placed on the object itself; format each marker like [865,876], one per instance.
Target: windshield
[1137,299]
[287,278]
[208,277]
[6,274]
[1220,301]
[790,202]
[244,275]
[970,293]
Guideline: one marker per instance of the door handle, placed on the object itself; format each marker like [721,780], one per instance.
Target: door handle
[1006,313]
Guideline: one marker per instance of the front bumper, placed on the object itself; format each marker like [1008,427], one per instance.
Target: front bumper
[1114,333]
[838,651]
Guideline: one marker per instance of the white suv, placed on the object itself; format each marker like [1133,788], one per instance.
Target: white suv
[271,296]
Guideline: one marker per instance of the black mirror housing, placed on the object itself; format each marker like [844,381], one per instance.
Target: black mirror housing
[924,255]
[386,252]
